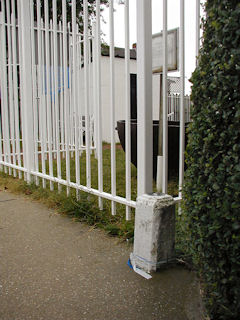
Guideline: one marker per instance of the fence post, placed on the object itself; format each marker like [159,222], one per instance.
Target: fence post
[155,213]
[144,98]
[26,86]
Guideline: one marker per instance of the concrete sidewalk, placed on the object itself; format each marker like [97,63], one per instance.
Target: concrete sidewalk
[54,268]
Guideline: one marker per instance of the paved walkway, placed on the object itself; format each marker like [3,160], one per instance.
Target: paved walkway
[54,268]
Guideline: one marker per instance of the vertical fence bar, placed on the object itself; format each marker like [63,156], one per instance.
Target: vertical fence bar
[91,90]
[127,110]
[86,78]
[4,93]
[53,92]
[75,95]
[48,91]
[175,101]
[159,178]
[61,75]
[144,97]
[71,128]
[34,86]
[112,104]
[10,90]
[80,93]
[99,104]
[56,87]
[94,74]
[21,111]
[182,91]
[44,100]
[173,106]
[94,81]
[197,29]
[27,91]
[41,90]
[15,86]
[165,98]
[66,100]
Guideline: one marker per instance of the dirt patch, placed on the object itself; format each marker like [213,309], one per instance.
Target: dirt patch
[108,146]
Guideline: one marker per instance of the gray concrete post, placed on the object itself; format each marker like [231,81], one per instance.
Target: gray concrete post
[154,235]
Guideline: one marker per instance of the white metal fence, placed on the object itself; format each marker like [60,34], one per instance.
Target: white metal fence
[51,97]
[174,101]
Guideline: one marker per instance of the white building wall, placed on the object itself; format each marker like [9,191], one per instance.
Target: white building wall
[119,93]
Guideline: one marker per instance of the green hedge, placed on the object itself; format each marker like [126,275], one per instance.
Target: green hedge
[212,185]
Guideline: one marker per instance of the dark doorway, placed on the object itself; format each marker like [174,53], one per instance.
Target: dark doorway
[133,83]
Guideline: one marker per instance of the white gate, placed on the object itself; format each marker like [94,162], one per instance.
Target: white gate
[51,104]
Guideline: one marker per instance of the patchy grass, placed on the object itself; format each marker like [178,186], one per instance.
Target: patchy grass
[86,209]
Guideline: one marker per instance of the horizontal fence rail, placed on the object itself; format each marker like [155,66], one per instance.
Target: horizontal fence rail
[59,93]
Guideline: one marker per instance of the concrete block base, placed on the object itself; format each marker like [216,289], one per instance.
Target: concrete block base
[154,235]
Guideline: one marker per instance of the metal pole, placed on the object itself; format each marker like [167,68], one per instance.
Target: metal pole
[66,92]
[34,86]
[182,111]
[4,92]
[56,77]
[27,98]
[10,88]
[144,98]
[61,76]
[75,94]
[48,93]
[165,99]
[160,139]
[87,103]
[15,80]
[112,104]
[41,92]
[99,104]
[127,111]
[162,164]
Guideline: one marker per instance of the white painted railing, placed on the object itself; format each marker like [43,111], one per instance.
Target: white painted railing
[174,107]
[51,96]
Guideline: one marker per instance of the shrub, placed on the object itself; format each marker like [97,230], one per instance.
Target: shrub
[212,185]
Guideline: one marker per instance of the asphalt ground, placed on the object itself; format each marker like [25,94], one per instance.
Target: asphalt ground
[52,267]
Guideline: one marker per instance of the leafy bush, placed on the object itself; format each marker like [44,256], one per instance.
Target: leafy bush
[212,187]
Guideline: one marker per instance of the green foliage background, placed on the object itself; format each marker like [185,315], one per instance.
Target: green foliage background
[79,10]
[212,187]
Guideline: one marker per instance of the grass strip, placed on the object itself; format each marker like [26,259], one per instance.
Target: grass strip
[86,209]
